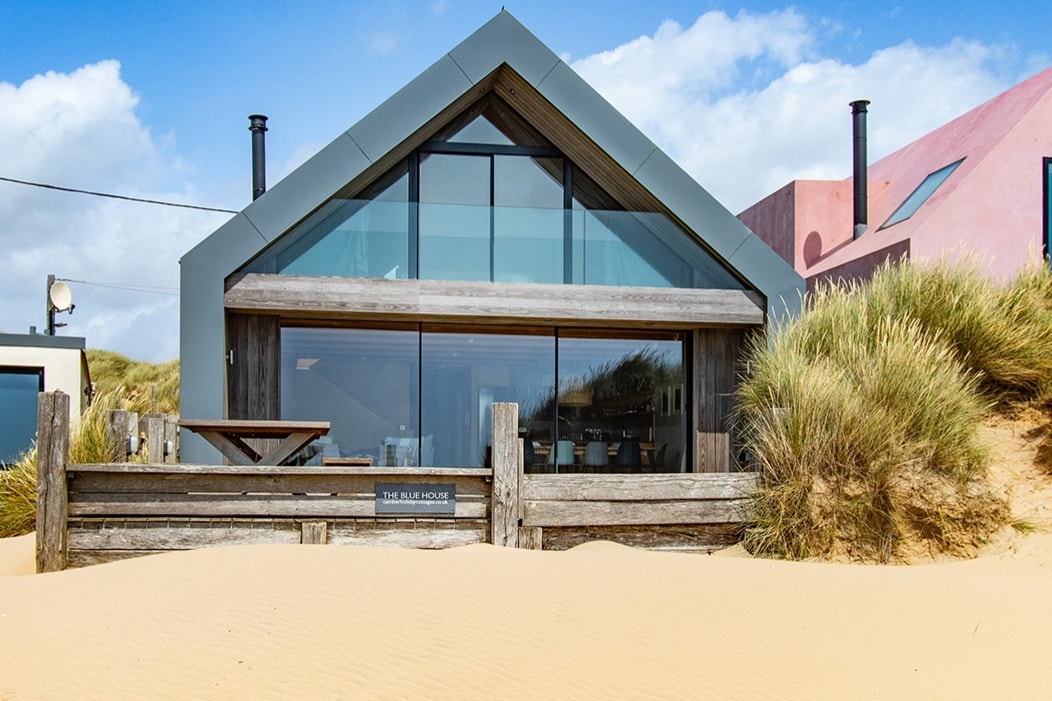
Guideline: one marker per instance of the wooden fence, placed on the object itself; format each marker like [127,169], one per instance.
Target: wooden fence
[95,513]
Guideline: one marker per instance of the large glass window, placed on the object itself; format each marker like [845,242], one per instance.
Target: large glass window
[365,381]
[454,217]
[18,409]
[620,404]
[489,199]
[423,395]
[367,236]
[464,373]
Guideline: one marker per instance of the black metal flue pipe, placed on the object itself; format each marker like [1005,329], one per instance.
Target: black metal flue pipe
[860,176]
[257,124]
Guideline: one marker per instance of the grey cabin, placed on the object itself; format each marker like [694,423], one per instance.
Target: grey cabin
[493,232]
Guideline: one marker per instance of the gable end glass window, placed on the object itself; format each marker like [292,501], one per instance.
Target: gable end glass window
[919,196]
[489,199]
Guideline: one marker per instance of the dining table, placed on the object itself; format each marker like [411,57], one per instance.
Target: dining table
[285,439]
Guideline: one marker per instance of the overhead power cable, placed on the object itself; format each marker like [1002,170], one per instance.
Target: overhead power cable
[171,291]
[117,197]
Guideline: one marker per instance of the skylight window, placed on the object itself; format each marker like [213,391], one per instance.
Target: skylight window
[919,196]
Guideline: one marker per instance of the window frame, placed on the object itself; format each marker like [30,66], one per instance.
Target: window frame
[912,205]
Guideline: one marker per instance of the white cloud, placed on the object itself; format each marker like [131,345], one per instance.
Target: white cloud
[80,130]
[384,43]
[745,106]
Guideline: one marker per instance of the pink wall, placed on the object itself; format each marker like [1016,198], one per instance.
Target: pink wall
[990,207]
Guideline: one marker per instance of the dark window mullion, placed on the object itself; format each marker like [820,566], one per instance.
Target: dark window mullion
[414,216]
[492,218]
[1047,209]
[567,222]
[488,149]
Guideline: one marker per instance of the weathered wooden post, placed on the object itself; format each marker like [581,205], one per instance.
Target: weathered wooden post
[507,458]
[117,423]
[52,455]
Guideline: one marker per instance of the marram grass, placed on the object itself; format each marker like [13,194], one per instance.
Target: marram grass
[863,414]
[120,384]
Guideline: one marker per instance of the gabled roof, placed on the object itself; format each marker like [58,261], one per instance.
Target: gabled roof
[990,204]
[502,51]
[463,73]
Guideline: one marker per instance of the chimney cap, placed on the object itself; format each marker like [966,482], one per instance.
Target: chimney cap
[257,121]
[859,105]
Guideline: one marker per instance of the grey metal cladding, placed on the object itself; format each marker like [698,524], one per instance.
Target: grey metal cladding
[202,344]
[693,205]
[227,248]
[306,188]
[410,108]
[594,116]
[504,40]
[759,264]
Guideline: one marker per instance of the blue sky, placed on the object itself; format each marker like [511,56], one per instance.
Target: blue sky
[151,99]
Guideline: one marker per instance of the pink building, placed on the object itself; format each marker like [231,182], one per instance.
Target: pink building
[979,185]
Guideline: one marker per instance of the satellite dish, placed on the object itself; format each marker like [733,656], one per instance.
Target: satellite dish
[60,296]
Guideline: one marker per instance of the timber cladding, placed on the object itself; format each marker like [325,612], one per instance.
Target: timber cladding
[116,511]
[88,514]
[670,511]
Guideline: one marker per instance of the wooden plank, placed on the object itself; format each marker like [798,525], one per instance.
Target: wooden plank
[87,558]
[683,538]
[531,538]
[118,429]
[488,302]
[671,486]
[141,535]
[415,535]
[250,505]
[507,465]
[314,533]
[386,474]
[52,455]
[82,483]
[155,430]
[610,513]
[248,428]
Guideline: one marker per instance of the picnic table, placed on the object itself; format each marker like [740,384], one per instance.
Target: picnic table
[229,437]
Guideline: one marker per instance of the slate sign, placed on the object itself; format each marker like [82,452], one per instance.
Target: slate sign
[429,499]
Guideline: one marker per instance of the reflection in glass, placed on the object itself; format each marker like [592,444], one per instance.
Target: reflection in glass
[613,402]
[363,237]
[454,217]
[588,404]
[364,381]
[527,219]
[463,374]
[18,409]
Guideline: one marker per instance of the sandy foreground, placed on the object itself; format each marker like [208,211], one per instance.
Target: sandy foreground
[599,621]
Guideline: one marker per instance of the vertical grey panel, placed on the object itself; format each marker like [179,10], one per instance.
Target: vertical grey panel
[202,376]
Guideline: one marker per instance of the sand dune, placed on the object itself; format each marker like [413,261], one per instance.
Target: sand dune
[599,621]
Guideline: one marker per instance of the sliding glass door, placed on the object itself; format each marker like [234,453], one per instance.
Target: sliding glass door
[422,395]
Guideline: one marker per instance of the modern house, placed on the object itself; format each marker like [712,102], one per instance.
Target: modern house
[494,232]
[34,363]
[976,186]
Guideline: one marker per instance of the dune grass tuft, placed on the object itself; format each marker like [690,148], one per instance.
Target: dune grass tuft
[863,414]
[120,384]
